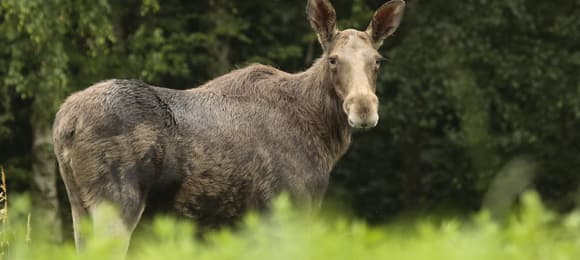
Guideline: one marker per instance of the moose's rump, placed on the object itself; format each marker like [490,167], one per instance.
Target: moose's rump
[109,140]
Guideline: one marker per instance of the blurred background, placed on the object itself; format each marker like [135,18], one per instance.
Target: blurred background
[480,99]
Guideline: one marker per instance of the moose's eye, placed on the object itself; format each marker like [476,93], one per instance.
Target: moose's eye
[332,61]
[379,60]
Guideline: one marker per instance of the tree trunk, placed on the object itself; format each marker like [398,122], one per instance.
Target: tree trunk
[45,206]
[222,53]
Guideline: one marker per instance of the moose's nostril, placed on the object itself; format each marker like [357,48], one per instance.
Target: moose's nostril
[345,107]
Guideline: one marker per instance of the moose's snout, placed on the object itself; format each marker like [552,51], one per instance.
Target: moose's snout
[362,110]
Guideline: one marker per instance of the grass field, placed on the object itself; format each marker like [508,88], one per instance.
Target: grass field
[531,233]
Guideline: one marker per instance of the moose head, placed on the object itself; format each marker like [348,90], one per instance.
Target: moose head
[352,57]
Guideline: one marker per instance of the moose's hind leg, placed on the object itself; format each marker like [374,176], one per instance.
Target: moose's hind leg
[119,201]
[78,211]
[116,173]
[117,217]
[117,222]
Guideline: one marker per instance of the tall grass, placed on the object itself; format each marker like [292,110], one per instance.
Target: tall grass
[3,212]
[531,233]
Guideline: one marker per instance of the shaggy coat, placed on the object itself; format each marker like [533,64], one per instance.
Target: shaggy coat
[210,152]
[213,152]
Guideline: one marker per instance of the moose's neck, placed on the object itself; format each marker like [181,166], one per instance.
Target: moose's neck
[323,110]
[318,107]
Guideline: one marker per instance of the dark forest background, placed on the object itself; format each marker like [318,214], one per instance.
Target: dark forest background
[470,88]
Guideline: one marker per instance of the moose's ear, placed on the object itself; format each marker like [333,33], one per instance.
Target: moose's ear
[385,21]
[322,18]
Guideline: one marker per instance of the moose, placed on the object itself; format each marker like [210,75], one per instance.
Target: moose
[231,145]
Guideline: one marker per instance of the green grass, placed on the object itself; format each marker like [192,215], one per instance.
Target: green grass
[532,233]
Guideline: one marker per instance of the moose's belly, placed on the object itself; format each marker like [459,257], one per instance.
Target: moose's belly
[215,182]
[214,199]
[215,194]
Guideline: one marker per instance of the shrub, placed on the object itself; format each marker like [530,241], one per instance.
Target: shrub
[531,233]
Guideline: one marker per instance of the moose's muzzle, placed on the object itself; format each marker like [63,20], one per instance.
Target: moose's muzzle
[362,110]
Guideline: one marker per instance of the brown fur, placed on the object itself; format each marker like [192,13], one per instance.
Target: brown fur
[213,152]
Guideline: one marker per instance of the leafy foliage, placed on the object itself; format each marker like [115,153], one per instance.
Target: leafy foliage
[534,233]
[470,85]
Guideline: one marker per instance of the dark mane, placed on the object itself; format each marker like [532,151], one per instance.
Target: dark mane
[319,108]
